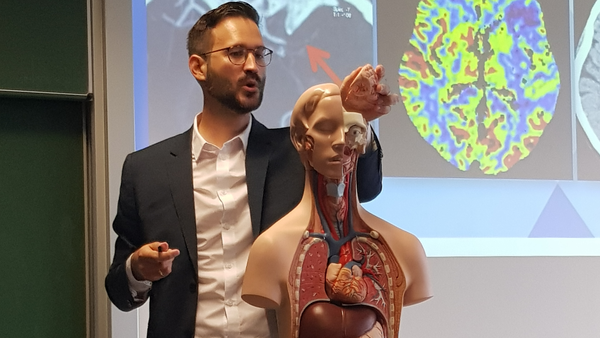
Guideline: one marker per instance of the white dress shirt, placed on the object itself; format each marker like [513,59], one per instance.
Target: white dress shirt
[224,237]
[224,234]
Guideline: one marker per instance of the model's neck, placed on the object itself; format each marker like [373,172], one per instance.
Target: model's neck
[219,127]
[334,206]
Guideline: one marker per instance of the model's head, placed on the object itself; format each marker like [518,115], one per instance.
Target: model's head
[228,59]
[325,135]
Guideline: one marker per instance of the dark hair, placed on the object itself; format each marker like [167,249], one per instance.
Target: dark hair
[197,36]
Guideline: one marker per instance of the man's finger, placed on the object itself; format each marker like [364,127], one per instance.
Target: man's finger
[380,71]
[162,247]
[153,246]
[390,100]
[383,89]
[355,72]
[170,254]
[349,79]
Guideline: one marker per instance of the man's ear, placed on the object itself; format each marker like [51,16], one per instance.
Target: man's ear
[197,67]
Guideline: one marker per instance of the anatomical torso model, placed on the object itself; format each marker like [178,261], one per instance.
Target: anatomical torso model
[329,268]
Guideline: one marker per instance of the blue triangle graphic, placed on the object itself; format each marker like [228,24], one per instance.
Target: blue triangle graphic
[559,219]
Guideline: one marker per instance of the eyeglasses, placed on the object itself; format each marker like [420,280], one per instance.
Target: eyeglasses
[238,54]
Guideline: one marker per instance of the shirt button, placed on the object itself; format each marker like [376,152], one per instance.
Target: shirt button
[228,266]
[226,226]
[229,302]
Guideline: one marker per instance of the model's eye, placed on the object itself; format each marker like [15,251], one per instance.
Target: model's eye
[325,127]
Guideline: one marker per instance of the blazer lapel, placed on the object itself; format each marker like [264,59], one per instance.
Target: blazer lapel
[179,168]
[257,160]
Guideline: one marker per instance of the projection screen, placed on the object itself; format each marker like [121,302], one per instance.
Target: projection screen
[494,148]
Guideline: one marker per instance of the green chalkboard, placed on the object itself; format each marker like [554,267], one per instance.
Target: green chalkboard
[42,219]
[43,46]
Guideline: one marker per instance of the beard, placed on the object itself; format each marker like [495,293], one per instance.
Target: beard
[226,93]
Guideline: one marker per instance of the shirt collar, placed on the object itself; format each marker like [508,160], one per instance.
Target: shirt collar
[198,141]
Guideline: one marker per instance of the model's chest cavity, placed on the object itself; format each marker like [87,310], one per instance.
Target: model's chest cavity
[358,273]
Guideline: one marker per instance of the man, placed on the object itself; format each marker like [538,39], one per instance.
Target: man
[190,206]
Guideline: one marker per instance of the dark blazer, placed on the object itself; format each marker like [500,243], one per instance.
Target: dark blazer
[156,203]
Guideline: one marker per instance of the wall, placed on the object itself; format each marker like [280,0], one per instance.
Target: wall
[42,222]
[120,117]
[43,110]
[509,297]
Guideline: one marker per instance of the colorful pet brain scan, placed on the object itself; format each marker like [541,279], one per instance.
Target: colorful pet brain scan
[479,80]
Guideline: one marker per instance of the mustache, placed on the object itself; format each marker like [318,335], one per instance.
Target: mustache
[251,77]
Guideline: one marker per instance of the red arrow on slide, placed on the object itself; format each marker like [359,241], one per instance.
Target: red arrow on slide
[317,58]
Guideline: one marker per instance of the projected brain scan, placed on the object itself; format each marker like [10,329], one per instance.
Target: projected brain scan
[587,78]
[479,81]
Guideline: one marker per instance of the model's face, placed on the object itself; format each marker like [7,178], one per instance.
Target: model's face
[237,87]
[332,148]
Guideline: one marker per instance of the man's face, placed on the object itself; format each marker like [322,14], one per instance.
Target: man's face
[330,155]
[238,87]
